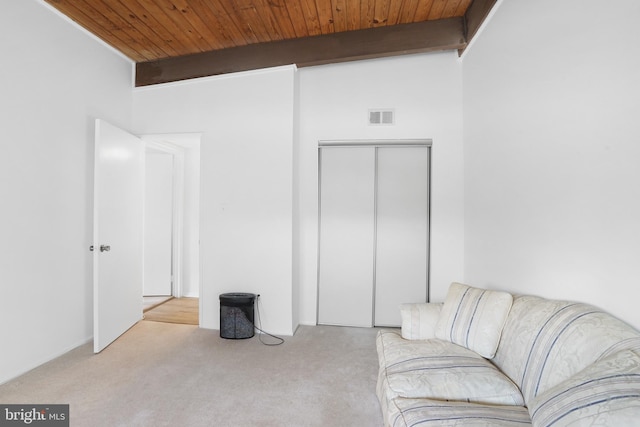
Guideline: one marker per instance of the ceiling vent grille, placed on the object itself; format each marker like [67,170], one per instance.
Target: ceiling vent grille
[381,117]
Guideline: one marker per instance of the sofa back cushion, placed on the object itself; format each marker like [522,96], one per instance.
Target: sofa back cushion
[606,393]
[473,318]
[544,342]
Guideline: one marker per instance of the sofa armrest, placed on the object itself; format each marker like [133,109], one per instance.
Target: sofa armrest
[419,320]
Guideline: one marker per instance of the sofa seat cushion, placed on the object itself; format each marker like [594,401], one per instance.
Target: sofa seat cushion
[438,369]
[606,393]
[427,412]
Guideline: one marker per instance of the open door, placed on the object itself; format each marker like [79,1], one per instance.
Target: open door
[117,233]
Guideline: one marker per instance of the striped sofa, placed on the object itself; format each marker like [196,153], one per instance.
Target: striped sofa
[485,358]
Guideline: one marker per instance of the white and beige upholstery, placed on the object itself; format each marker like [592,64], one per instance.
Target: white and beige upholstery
[545,341]
[606,393]
[557,363]
[439,370]
[474,318]
[419,320]
[435,413]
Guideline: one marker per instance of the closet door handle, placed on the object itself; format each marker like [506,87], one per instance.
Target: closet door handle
[105,248]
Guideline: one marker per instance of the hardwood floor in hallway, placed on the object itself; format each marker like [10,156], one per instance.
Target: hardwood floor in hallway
[175,310]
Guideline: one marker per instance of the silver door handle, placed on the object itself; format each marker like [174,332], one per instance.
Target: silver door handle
[105,248]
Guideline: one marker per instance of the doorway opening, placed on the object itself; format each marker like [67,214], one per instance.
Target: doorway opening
[172,204]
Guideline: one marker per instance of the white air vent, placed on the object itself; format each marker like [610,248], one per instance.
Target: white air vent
[381,117]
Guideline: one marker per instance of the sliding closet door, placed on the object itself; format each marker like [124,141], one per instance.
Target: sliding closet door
[346,266]
[402,208]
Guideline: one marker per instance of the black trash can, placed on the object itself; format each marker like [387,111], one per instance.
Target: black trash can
[236,315]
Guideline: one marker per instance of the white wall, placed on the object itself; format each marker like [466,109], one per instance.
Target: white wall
[246,235]
[552,182]
[54,82]
[426,93]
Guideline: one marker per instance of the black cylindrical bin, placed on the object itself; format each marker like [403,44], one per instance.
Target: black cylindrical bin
[236,315]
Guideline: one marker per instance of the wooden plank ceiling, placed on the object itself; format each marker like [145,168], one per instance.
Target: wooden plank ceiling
[178,39]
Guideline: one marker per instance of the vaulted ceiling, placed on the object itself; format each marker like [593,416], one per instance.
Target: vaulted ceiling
[179,39]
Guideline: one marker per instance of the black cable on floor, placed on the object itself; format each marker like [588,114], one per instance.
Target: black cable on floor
[280,340]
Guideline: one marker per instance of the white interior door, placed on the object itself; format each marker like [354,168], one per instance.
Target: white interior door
[158,224]
[402,231]
[345,276]
[118,233]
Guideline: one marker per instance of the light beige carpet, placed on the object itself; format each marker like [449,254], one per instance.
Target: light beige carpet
[162,374]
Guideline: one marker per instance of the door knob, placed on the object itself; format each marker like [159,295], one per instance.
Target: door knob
[105,248]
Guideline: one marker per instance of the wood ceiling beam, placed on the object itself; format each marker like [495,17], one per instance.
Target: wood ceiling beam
[442,34]
[475,15]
